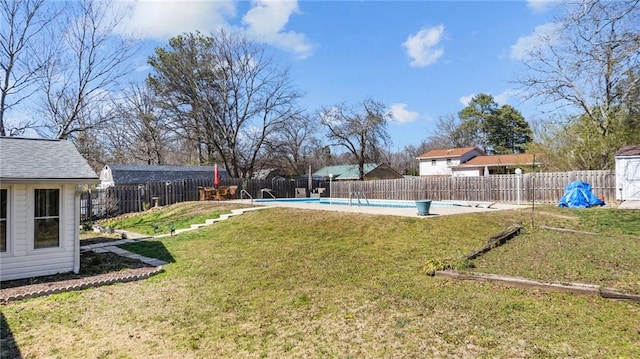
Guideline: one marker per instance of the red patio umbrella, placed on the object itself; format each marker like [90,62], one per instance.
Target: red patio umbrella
[216,176]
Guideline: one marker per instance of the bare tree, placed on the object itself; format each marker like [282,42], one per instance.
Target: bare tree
[596,47]
[296,146]
[361,130]
[225,95]
[450,133]
[23,24]
[90,143]
[140,131]
[405,160]
[90,62]
[589,65]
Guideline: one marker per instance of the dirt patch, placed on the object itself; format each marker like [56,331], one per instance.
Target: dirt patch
[98,240]
[95,269]
[557,215]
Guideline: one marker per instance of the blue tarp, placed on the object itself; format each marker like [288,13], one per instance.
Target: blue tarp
[578,195]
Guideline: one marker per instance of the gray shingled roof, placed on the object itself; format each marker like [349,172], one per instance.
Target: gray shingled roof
[25,159]
[631,150]
[137,174]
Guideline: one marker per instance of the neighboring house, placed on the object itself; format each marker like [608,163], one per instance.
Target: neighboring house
[372,171]
[494,164]
[627,161]
[40,186]
[132,174]
[441,162]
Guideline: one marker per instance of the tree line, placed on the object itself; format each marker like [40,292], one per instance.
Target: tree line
[220,98]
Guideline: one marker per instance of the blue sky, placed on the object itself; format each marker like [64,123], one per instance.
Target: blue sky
[423,59]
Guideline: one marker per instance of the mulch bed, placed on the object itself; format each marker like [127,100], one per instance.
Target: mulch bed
[95,269]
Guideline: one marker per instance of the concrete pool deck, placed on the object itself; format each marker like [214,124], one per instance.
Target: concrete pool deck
[434,210]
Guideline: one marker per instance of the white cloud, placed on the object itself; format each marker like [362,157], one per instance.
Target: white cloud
[546,33]
[503,97]
[464,100]
[162,20]
[422,48]
[401,114]
[142,68]
[266,21]
[540,6]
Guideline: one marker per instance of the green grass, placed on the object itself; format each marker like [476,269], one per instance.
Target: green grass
[180,215]
[610,257]
[607,220]
[295,283]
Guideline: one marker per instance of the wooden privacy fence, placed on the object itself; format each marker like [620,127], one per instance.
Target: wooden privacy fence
[112,201]
[544,187]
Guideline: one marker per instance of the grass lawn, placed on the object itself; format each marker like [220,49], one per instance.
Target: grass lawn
[179,215]
[295,283]
[610,257]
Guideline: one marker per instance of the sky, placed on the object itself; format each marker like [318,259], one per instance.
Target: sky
[422,59]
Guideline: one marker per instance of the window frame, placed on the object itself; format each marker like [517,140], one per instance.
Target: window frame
[34,218]
[433,162]
[7,221]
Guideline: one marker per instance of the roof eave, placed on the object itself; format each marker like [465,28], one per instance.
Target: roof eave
[627,156]
[495,165]
[19,180]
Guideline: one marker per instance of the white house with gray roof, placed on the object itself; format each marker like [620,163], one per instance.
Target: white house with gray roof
[40,186]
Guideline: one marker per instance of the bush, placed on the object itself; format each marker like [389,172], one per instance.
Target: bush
[87,226]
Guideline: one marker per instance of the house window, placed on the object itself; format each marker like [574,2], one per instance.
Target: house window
[46,232]
[448,161]
[4,205]
[433,162]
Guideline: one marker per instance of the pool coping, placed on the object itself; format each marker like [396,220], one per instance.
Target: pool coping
[435,210]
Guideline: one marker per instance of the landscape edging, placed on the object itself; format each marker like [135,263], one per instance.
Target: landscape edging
[575,288]
[126,277]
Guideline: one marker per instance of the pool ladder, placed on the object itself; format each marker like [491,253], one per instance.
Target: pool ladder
[243,192]
[358,196]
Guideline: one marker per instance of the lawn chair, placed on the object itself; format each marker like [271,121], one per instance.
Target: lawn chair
[301,192]
[221,193]
[207,193]
[232,192]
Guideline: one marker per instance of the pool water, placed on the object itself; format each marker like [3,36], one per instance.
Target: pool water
[294,200]
[354,202]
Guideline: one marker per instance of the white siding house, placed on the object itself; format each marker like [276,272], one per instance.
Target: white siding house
[495,164]
[441,162]
[40,184]
[628,173]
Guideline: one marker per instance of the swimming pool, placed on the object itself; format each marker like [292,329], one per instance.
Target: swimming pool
[354,202]
[293,200]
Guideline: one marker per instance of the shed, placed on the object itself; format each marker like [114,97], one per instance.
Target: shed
[40,186]
[627,161]
[135,174]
